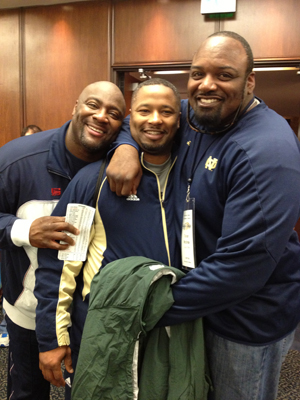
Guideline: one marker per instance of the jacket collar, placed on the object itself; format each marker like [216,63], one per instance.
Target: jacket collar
[57,160]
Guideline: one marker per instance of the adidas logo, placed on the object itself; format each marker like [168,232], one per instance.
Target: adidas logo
[133,197]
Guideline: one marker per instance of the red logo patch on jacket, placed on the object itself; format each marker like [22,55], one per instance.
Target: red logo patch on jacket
[56,191]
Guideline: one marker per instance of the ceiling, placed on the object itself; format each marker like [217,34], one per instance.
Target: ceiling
[30,3]
[279,89]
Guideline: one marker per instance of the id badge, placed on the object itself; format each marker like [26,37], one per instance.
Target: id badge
[188,235]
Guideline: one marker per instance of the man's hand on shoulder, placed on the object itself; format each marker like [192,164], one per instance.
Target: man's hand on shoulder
[124,171]
[50,364]
[47,232]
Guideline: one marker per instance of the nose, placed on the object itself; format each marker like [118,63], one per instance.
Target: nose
[101,115]
[155,118]
[207,83]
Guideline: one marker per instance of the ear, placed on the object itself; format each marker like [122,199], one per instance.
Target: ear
[250,83]
[75,108]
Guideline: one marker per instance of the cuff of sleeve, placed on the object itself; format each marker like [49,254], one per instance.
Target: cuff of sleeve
[20,232]
[64,340]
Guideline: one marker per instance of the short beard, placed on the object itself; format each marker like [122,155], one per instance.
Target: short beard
[92,148]
[209,122]
[152,149]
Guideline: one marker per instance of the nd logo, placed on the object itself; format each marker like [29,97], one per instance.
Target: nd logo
[211,163]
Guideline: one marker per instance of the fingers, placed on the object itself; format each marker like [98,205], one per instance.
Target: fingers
[122,188]
[47,232]
[70,228]
[125,186]
[50,364]
[129,186]
[64,237]
[124,171]
[53,375]
[133,190]
[55,224]
[126,189]
[68,362]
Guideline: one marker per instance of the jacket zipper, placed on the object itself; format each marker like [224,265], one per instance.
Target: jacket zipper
[161,200]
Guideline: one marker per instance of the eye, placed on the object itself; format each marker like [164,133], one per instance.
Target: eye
[225,76]
[167,113]
[114,114]
[92,105]
[196,75]
[143,111]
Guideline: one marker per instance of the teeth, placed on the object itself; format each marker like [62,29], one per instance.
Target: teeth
[208,100]
[153,133]
[95,129]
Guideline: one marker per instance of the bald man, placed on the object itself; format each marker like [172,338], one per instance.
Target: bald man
[34,173]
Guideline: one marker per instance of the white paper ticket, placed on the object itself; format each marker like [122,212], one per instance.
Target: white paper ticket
[81,216]
[187,240]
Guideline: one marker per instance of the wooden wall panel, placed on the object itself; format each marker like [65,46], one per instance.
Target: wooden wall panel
[10,97]
[66,48]
[49,53]
[151,31]
[271,27]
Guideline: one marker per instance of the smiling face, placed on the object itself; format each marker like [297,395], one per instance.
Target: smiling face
[154,120]
[97,119]
[218,82]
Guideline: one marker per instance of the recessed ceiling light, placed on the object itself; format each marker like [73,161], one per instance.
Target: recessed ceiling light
[173,72]
[275,69]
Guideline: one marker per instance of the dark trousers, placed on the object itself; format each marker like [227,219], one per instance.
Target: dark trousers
[25,380]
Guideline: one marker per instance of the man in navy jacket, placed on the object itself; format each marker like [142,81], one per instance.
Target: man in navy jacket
[237,179]
[122,227]
[34,172]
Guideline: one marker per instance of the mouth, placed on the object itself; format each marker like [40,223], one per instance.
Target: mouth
[154,134]
[96,131]
[208,102]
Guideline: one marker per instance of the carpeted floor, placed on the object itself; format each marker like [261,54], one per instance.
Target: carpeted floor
[55,394]
[289,387]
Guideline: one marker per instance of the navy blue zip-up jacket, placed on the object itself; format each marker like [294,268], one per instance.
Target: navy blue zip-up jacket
[246,185]
[122,228]
[34,173]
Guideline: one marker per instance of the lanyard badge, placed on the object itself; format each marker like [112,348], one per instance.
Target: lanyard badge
[188,232]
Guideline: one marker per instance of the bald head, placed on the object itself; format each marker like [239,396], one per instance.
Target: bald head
[96,121]
[108,89]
